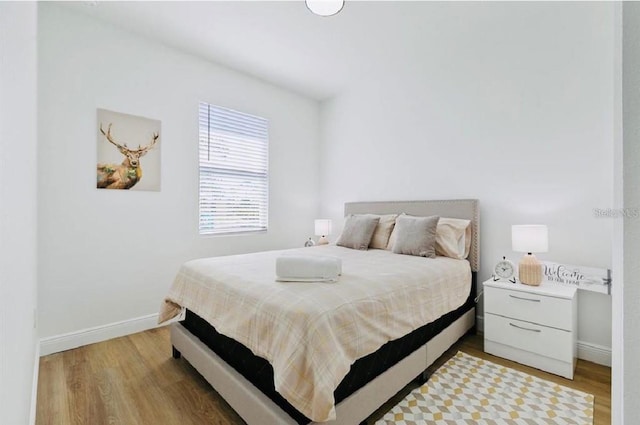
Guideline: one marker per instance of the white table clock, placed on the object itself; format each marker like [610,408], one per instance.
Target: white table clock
[504,270]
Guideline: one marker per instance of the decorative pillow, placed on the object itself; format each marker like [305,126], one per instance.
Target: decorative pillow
[453,238]
[358,230]
[383,230]
[416,236]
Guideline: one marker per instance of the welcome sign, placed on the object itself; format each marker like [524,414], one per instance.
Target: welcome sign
[587,278]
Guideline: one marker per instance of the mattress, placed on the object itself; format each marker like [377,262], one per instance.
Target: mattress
[312,333]
[259,372]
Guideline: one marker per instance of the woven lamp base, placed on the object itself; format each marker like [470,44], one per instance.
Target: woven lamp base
[323,240]
[530,270]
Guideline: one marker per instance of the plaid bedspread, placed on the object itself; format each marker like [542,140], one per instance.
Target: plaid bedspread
[311,333]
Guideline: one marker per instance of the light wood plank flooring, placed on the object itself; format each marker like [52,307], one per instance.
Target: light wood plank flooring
[133,380]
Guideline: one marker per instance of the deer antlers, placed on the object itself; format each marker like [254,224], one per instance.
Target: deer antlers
[141,150]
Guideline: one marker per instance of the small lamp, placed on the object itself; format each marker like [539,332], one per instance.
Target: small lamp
[530,238]
[323,228]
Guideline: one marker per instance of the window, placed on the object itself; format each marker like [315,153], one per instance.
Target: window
[234,165]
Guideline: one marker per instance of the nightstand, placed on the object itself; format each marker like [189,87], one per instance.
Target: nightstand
[532,325]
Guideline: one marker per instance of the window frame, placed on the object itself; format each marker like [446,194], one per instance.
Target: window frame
[236,146]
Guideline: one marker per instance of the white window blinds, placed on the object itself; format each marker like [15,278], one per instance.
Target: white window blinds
[234,165]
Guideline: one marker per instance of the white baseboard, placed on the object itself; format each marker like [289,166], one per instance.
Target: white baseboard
[586,351]
[594,353]
[34,386]
[58,343]
[591,352]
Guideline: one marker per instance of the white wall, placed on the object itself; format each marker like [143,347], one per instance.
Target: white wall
[109,256]
[631,161]
[18,263]
[510,103]
[617,291]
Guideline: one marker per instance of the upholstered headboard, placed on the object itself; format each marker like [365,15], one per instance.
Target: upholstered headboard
[454,208]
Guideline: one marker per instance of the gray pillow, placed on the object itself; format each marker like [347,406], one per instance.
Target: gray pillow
[416,236]
[358,230]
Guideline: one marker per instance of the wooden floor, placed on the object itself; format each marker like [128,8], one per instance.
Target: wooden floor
[134,380]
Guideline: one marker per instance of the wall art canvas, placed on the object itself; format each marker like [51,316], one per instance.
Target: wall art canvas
[128,151]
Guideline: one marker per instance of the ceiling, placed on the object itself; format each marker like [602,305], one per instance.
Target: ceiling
[283,43]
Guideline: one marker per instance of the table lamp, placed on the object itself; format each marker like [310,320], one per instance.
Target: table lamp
[323,228]
[530,238]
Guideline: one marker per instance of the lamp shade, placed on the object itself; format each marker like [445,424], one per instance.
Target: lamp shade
[323,226]
[325,7]
[529,238]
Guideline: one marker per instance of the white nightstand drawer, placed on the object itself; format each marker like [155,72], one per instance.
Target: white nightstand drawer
[530,337]
[530,307]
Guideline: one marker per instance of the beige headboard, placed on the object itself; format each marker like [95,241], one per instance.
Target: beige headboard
[454,208]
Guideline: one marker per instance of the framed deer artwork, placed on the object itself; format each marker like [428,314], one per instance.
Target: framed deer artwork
[128,151]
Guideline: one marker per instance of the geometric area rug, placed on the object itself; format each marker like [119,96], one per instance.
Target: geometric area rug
[468,390]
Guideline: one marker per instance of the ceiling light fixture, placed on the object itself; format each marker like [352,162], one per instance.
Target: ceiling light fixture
[325,7]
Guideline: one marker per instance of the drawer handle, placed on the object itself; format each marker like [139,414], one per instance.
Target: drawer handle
[525,299]
[525,329]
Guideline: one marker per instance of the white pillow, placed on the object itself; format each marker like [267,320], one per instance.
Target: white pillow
[453,238]
[381,235]
[394,235]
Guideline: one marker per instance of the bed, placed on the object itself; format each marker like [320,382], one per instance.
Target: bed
[403,345]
